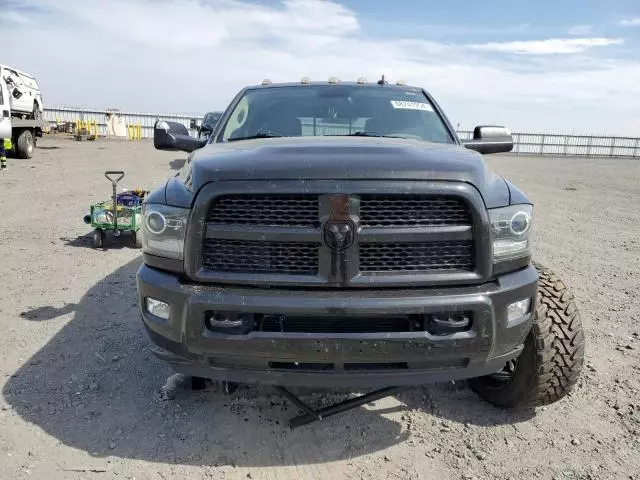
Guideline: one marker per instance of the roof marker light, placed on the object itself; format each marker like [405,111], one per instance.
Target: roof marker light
[401,82]
[334,80]
[266,81]
[362,81]
[305,81]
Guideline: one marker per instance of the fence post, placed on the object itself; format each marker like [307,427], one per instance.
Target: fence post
[566,144]
[542,145]
[613,144]
[636,149]
[589,143]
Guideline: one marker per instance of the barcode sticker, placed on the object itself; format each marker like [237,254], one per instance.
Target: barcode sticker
[404,105]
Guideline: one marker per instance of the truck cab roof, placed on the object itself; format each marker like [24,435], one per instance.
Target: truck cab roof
[24,74]
[360,83]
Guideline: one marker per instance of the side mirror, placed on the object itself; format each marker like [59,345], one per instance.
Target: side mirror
[174,136]
[16,93]
[490,139]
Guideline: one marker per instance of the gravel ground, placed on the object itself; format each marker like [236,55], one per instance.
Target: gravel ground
[83,398]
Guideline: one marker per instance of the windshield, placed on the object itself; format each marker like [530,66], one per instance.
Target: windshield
[335,110]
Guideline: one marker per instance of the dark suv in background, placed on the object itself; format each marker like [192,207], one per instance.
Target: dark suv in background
[208,124]
[340,234]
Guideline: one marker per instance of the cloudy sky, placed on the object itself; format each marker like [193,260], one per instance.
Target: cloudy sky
[544,65]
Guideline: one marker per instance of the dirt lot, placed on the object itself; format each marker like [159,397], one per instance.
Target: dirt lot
[81,391]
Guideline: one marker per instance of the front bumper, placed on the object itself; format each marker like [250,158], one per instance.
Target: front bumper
[336,359]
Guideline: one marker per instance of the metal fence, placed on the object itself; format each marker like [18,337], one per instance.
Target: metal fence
[570,145]
[145,120]
[524,143]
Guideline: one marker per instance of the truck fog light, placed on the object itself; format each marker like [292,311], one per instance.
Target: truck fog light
[157,308]
[518,309]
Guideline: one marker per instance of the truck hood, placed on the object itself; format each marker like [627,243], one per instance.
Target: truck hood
[345,158]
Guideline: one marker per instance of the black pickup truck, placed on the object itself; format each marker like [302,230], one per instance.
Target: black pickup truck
[340,234]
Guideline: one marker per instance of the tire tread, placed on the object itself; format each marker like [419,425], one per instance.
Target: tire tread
[552,360]
[558,326]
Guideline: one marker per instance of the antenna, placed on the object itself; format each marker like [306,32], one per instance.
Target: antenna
[382,81]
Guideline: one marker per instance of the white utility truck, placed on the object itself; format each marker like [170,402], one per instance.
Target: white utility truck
[21,111]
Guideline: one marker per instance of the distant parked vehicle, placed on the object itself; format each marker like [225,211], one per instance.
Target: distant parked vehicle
[25,98]
[22,132]
[208,124]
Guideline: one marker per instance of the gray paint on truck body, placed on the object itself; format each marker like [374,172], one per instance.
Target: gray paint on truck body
[336,158]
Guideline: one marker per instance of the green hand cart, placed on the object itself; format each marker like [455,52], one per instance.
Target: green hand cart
[123,213]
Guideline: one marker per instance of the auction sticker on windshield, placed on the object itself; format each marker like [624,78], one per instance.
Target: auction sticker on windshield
[404,105]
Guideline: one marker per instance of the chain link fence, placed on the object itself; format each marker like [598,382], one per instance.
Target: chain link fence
[524,143]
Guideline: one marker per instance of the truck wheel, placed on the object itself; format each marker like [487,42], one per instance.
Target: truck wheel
[137,239]
[198,383]
[24,145]
[551,361]
[98,238]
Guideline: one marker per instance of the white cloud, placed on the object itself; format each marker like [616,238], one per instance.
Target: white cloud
[630,22]
[191,56]
[14,17]
[191,23]
[552,46]
[580,30]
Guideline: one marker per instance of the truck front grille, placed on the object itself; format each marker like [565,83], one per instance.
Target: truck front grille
[261,257]
[452,256]
[311,234]
[396,211]
[369,324]
[266,210]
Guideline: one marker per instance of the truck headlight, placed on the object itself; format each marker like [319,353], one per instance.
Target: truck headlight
[163,230]
[511,232]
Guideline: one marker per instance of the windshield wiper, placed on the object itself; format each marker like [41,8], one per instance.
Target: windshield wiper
[257,135]
[370,134]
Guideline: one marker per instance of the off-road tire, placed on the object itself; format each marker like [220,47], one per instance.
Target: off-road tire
[24,145]
[550,363]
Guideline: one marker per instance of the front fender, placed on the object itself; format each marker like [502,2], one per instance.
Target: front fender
[516,195]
